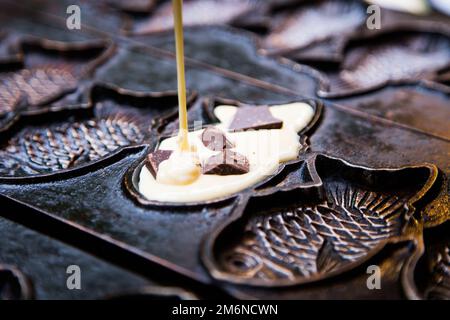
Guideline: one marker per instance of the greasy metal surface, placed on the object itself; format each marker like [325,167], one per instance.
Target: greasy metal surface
[68,154]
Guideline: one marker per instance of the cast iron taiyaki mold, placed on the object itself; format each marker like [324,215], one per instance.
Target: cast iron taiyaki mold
[47,75]
[80,111]
[397,57]
[312,226]
[247,13]
[297,32]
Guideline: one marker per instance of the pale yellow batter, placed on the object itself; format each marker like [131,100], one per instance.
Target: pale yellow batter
[179,178]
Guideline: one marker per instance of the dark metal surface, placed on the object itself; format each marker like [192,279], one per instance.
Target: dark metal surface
[299,231]
[81,109]
[43,262]
[437,264]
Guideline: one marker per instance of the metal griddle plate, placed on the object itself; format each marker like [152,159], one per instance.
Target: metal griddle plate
[80,109]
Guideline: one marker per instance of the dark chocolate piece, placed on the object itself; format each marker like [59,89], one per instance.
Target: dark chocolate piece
[215,139]
[226,163]
[247,118]
[154,159]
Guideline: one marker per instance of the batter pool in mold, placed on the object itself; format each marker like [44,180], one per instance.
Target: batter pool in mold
[179,178]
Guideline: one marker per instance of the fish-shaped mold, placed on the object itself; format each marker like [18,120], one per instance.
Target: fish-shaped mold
[302,233]
[390,58]
[304,26]
[202,114]
[69,139]
[46,73]
[133,6]
[200,13]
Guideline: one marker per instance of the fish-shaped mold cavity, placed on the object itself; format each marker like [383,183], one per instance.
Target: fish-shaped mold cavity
[46,72]
[69,139]
[202,113]
[389,59]
[156,293]
[304,233]
[200,13]
[310,24]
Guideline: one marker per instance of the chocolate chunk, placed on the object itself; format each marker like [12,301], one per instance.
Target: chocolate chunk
[247,118]
[226,163]
[154,159]
[215,139]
